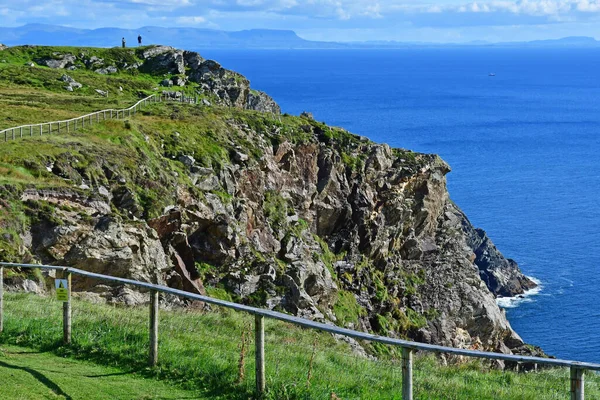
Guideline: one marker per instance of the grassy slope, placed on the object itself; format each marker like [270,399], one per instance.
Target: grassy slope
[36,94]
[198,351]
[31,375]
[201,352]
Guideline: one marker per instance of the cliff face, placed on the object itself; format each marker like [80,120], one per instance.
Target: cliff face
[281,212]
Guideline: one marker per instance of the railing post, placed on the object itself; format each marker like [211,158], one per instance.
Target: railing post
[13,134]
[577,383]
[407,374]
[1,298]
[153,356]
[59,127]
[21,131]
[67,311]
[259,343]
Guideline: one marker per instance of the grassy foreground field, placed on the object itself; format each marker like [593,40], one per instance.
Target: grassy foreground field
[211,354]
[26,374]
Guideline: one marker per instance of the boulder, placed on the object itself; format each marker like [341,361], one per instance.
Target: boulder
[71,83]
[59,61]
[93,62]
[108,70]
[66,78]
[3,47]
[187,160]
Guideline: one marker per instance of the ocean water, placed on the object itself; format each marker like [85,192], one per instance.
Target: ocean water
[524,147]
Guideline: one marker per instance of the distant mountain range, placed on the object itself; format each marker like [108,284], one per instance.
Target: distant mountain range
[194,38]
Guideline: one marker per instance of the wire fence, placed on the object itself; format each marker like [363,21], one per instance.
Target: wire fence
[233,352]
[73,124]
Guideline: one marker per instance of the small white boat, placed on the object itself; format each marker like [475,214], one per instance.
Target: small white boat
[492,74]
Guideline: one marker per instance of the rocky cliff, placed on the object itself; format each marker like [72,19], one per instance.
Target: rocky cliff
[277,211]
[178,68]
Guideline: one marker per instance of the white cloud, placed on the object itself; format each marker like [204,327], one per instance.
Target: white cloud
[524,7]
[191,20]
[385,16]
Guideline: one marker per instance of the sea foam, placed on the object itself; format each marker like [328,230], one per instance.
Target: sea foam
[512,302]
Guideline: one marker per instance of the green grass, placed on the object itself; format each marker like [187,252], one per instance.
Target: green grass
[201,352]
[27,374]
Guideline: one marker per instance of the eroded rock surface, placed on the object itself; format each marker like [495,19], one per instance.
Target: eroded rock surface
[283,213]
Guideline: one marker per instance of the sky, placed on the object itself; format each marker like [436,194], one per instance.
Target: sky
[330,20]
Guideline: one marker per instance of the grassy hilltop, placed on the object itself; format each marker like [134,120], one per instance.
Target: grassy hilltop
[144,162]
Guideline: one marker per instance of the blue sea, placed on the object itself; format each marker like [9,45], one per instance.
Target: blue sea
[524,147]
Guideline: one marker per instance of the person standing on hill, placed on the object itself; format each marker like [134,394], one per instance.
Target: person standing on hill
[139,40]
[123,42]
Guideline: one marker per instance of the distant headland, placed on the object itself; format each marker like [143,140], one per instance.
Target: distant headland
[194,38]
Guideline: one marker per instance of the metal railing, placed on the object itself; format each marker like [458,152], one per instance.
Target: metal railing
[577,369]
[73,124]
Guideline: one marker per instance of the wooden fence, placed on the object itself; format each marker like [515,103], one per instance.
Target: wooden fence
[74,124]
[408,348]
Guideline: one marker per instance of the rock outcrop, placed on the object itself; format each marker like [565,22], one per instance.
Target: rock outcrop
[283,213]
[58,61]
[180,68]
[300,229]
[501,275]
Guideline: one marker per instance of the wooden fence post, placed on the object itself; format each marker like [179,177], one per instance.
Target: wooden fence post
[577,383]
[67,310]
[407,374]
[259,343]
[1,298]
[153,356]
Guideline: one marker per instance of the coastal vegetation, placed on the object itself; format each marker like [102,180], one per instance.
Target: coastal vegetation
[199,352]
[231,198]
